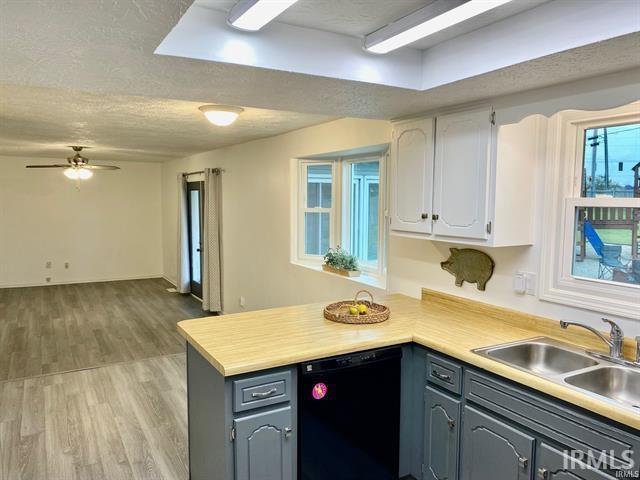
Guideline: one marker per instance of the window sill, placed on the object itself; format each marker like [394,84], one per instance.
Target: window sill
[364,278]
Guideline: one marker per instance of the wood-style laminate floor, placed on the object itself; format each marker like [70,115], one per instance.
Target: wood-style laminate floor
[93,382]
[61,328]
[124,421]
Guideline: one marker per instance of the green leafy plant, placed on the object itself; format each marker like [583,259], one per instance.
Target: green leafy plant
[340,258]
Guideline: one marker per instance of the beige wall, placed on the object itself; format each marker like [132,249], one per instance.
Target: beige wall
[256,217]
[109,229]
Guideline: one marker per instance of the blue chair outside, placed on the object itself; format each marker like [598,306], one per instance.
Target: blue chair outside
[609,255]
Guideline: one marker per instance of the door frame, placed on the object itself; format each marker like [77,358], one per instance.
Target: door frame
[196,287]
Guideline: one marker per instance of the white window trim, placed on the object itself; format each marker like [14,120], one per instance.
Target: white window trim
[302,208]
[562,195]
[339,214]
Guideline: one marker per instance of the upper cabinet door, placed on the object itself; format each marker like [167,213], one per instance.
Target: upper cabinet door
[461,194]
[412,176]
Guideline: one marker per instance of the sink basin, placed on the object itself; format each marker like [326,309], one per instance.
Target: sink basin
[618,383]
[541,358]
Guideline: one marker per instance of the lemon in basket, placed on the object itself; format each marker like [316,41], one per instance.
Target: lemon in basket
[362,309]
[353,310]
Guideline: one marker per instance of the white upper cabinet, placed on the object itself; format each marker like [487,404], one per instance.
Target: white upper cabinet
[472,182]
[461,174]
[412,176]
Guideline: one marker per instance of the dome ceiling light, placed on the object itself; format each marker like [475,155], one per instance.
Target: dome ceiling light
[221,115]
[423,23]
[252,15]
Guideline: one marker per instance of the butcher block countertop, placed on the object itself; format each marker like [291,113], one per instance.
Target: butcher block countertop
[257,340]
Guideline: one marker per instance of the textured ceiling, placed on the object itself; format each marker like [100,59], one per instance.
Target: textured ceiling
[42,122]
[105,49]
[357,18]
[353,17]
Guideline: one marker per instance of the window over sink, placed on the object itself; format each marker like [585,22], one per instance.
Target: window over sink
[339,201]
[591,253]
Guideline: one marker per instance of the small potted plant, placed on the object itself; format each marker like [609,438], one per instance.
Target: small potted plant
[339,261]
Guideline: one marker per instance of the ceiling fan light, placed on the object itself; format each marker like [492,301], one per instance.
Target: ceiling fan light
[221,115]
[71,173]
[84,174]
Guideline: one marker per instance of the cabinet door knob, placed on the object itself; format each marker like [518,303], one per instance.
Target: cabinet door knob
[287,432]
[451,423]
[523,462]
[435,217]
[424,216]
[543,474]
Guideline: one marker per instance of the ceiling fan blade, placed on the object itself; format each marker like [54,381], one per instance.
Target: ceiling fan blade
[101,167]
[48,166]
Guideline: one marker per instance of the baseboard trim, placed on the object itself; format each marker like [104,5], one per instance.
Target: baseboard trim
[171,281]
[92,280]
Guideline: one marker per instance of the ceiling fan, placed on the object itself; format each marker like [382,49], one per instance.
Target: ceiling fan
[77,167]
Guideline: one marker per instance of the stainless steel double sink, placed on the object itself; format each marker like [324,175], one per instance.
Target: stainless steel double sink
[572,367]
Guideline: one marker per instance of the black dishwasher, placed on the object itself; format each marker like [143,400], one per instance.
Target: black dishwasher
[349,416]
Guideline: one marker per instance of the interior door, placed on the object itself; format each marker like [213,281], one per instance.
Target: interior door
[195,200]
[460,198]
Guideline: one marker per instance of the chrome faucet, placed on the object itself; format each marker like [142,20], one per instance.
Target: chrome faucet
[615,340]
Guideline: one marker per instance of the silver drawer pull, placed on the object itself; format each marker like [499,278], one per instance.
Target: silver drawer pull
[523,462]
[268,393]
[441,376]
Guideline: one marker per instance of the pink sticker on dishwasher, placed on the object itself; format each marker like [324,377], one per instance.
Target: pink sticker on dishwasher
[319,391]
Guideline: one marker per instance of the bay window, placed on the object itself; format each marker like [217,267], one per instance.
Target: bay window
[340,202]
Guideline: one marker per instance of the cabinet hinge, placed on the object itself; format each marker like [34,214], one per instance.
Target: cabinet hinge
[492,117]
[232,434]
[489,227]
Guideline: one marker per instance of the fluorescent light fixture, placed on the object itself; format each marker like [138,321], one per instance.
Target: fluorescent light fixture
[433,18]
[252,15]
[221,115]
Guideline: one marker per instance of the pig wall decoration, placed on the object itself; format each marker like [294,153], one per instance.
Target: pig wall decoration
[469,265]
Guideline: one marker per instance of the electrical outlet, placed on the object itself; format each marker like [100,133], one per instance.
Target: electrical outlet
[241,301]
[532,283]
[520,283]
[47,265]
[525,283]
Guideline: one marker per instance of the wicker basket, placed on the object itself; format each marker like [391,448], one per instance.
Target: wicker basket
[339,311]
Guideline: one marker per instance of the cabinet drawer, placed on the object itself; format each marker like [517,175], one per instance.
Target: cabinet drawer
[552,419]
[261,391]
[444,373]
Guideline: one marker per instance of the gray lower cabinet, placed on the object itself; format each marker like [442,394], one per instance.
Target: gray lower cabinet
[553,464]
[442,435]
[493,449]
[264,446]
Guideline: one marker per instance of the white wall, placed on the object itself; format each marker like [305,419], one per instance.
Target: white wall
[256,231]
[110,229]
[256,217]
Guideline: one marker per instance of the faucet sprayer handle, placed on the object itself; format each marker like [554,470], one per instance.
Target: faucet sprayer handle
[616,331]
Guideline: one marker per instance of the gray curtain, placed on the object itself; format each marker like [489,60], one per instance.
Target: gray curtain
[212,255]
[183,281]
